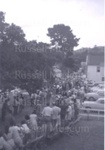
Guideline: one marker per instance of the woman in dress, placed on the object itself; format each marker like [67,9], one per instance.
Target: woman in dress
[69,114]
[33,122]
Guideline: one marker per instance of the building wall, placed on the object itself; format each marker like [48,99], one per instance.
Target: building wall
[102,72]
[93,75]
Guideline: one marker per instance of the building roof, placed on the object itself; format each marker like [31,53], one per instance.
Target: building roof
[95,59]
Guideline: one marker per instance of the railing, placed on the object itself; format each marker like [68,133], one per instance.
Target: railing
[35,144]
[40,141]
[89,110]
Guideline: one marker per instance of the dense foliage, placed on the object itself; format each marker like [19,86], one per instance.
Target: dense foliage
[28,64]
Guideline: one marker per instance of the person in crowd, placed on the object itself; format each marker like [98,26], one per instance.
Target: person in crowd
[9,118]
[48,97]
[27,120]
[57,89]
[47,115]
[70,85]
[68,99]
[21,100]
[82,94]
[15,131]
[56,116]
[47,112]
[36,98]
[69,114]
[72,106]
[76,109]
[63,112]
[32,99]
[5,109]
[33,123]
[63,87]
[16,105]
[4,145]
[8,137]
[26,132]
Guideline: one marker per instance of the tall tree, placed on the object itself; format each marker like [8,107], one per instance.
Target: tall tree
[63,38]
[64,41]
[22,63]
[3,26]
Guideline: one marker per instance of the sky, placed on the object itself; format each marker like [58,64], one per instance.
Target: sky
[85,17]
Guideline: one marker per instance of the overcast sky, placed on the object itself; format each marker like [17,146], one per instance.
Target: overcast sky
[85,17]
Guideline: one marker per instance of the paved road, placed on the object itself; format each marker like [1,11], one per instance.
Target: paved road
[86,135]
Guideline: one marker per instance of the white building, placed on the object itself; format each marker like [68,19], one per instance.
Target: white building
[95,67]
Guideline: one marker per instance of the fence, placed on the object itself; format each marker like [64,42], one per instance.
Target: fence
[39,141]
[89,112]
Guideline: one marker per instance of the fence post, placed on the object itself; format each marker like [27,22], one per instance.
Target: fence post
[88,114]
[98,114]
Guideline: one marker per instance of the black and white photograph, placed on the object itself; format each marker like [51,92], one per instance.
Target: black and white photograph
[52,74]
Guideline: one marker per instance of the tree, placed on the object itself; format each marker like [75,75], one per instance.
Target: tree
[22,63]
[15,35]
[3,26]
[10,61]
[64,41]
[63,38]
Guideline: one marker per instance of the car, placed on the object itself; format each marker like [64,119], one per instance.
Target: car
[101,85]
[101,92]
[92,96]
[94,89]
[98,104]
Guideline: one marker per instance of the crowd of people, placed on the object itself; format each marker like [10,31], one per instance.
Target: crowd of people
[54,108]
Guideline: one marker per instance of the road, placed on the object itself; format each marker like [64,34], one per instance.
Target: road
[86,135]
